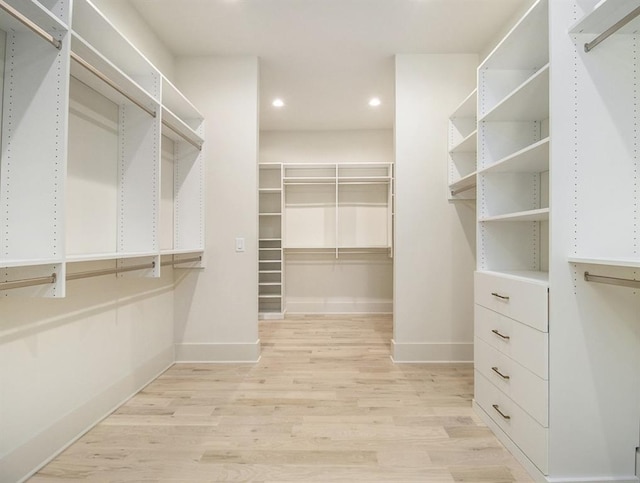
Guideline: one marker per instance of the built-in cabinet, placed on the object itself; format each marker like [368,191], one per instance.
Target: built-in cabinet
[101,154]
[334,209]
[556,356]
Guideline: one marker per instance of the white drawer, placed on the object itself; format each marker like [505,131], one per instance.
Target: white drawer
[523,430]
[527,346]
[526,389]
[522,300]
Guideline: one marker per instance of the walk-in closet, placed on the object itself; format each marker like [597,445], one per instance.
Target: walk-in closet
[304,240]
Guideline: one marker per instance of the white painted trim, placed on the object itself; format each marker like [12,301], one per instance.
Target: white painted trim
[416,352]
[533,471]
[27,459]
[270,315]
[338,307]
[231,352]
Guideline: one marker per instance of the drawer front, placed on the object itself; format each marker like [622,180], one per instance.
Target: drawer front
[527,346]
[526,302]
[523,430]
[526,389]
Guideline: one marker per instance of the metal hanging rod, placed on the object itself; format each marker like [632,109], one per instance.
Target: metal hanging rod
[29,282]
[589,46]
[110,83]
[110,271]
[623,282]
[462,190]
[182,260]
[51,279]
[31,25]
[183,136]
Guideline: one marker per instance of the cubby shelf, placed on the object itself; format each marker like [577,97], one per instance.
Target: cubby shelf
[467,145]
[468,182]
[532,159]
[528,102]
[467,108]
[541,214]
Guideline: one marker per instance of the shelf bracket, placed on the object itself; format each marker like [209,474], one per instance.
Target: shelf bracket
[589,46]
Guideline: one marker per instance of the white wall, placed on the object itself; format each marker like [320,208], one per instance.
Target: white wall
[131,24]
[359,283]
[66,363]
[217,308]
[434,238]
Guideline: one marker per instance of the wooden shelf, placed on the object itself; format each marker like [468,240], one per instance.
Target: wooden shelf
[610,262]
[541,214]
[270,190]
[532,159]
[174,101]
[604,15]
[178,129]
[181,252]
[466,183]
[528,102]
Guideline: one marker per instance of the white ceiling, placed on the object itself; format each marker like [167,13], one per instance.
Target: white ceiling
[326,58]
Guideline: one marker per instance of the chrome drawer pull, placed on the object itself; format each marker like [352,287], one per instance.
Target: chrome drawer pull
[497,371]
[497,408]
[503,297]
[505,337]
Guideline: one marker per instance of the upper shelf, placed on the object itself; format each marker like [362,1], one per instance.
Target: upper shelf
[35,12]
[128,86]
[463,184]
[468,107]
[527,43]
[610,262]
[179,105]
[528,102]
[604,15]
[176,129]
[96,30]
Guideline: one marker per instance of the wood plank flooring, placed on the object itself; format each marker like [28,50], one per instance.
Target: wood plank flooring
[325,403]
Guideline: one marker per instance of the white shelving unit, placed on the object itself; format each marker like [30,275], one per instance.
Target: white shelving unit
[270,251]
[337,207]
[511,287]
[107,167]
[558,281]
[463,139]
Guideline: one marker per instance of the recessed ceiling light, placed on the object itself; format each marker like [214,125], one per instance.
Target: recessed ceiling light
[277,103]
[374,102]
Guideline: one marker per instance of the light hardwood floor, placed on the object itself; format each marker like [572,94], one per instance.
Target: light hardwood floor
[325,403]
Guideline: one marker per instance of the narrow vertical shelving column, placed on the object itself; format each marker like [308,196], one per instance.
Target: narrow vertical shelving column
[270,247]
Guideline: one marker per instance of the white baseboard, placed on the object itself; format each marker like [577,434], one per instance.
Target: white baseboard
[28,458]
[295,307]
[270,315]
[233,352]
[533,471]
[431,352]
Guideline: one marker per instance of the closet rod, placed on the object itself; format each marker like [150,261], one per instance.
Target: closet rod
[110,83]
[462,190]
[31,25]
[612,30]
[623,282]
[29,282]
[109,271]
[183,260]
[190,141]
